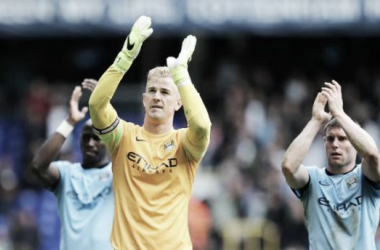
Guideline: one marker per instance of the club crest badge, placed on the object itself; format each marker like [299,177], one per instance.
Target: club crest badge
[169,145]
[352,181]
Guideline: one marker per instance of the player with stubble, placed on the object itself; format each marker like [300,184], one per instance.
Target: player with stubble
[341,201]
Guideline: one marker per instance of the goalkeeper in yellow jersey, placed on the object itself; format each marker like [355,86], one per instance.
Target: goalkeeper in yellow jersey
[154,166]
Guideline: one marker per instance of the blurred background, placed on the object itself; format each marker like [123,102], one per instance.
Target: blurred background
[258,66]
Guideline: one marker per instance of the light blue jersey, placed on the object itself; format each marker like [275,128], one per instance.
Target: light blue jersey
[341,211]
[86,205]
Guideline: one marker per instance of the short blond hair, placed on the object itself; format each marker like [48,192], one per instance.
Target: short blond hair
[160,71]
[332,123]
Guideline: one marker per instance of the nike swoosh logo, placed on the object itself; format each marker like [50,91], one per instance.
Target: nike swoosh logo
[129,45]
[137,139]
[324,183]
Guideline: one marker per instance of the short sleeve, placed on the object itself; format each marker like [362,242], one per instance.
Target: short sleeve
[64,169]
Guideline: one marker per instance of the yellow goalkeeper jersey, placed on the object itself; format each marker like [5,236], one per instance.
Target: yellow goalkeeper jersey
[152,183]
[153,174]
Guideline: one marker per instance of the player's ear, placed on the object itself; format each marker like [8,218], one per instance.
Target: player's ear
[178,104]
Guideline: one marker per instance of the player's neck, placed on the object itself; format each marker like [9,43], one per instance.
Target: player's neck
[341,169]
[91,165]
[157,127]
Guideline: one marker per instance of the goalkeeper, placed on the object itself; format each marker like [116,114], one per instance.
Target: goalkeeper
[154,166]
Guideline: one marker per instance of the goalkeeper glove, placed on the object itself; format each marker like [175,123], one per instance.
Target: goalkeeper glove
[178,66]
[141,30]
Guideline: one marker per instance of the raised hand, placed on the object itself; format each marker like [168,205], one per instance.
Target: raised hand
[89,84]
[141,30]
[76,115]
[319,112]
[333,93]
[178,66]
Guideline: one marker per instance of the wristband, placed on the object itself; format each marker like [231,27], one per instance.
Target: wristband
[65,129]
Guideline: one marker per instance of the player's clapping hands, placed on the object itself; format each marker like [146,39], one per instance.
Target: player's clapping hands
[333,92]
[319,113]
[89,84]
[77,115]
[141,30]
[178,66]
